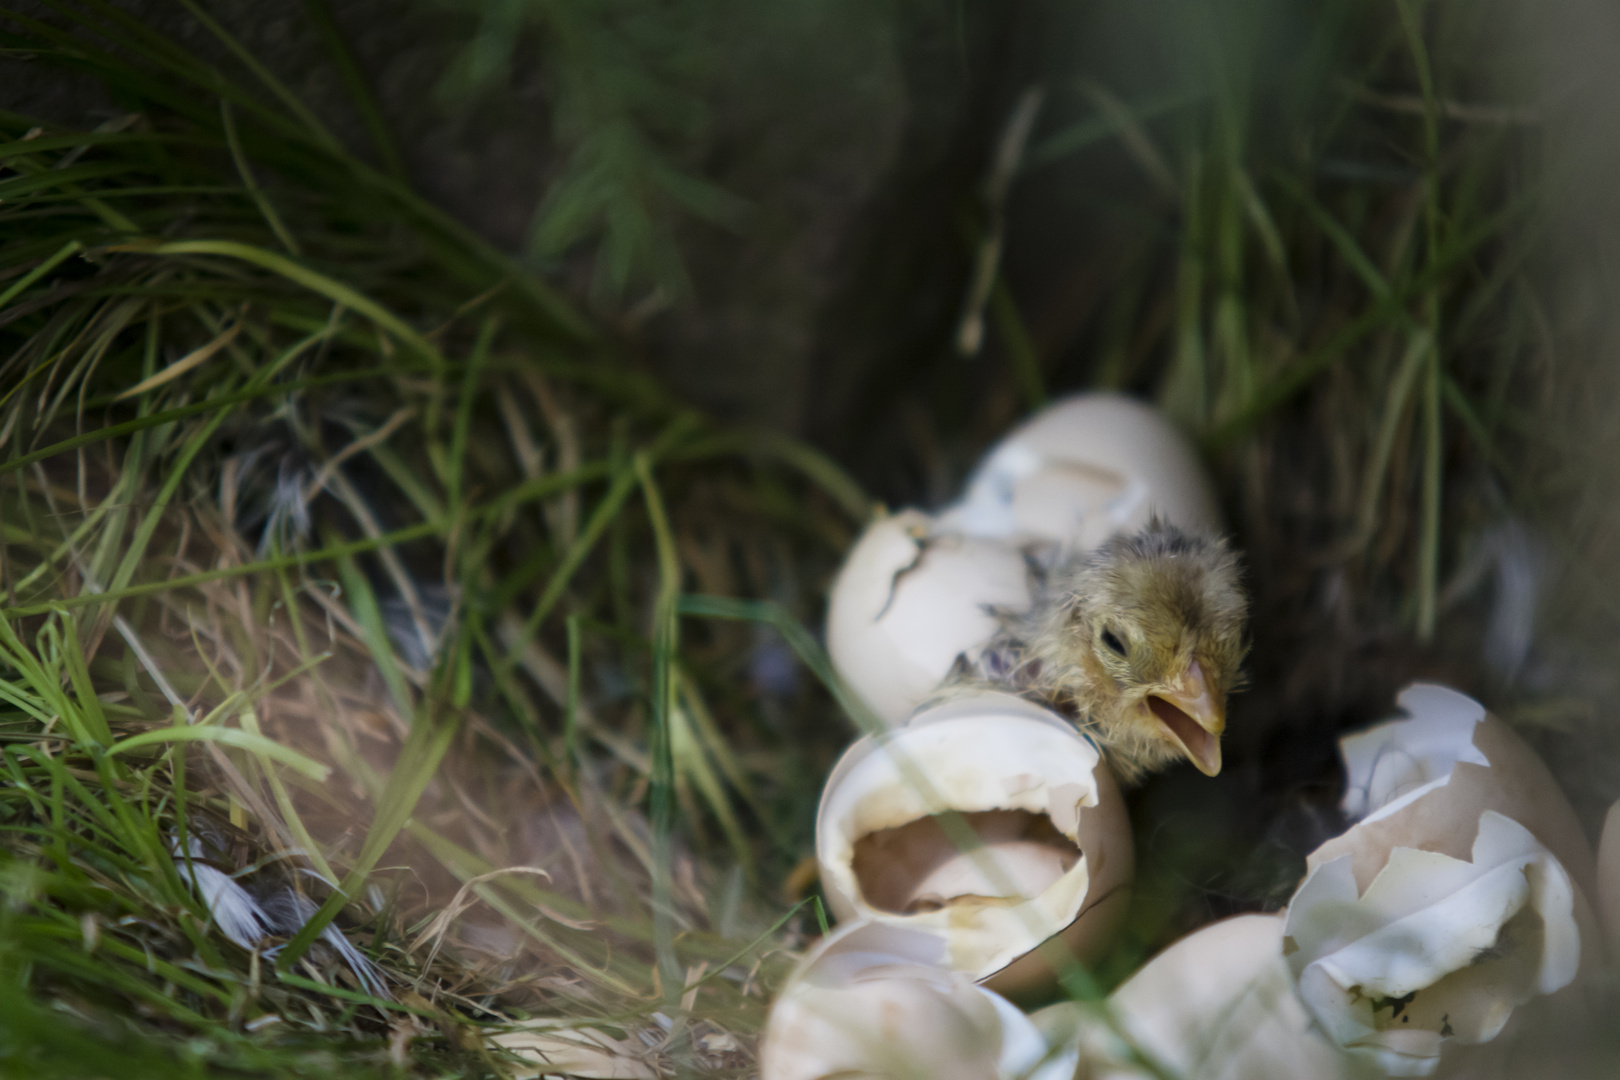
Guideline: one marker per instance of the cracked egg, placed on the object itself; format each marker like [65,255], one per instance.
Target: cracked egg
[908,602]
[1083,469]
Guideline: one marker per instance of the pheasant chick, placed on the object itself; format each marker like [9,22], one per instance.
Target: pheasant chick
[1139,641]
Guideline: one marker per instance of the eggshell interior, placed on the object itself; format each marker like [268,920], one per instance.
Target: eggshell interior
[918,867]
[908,602]
[1435,949]
[1053,852]
[1082,470]
[1459,897]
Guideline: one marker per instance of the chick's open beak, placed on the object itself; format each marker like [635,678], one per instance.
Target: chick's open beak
[1194,718]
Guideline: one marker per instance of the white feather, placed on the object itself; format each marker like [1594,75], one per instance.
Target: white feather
[238,916]
[249,923]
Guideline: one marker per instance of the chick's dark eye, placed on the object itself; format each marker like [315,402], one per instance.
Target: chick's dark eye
[1113,642]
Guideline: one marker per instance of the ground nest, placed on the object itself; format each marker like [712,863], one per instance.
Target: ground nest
[407,660]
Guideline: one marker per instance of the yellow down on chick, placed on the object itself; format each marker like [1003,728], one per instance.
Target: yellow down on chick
[1139,641]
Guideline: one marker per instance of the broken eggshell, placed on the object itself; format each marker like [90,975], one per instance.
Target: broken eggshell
[1218,1005]
[908,602]
[1435,948]
[1459,895]
[1082,470]
[876,1000]
[548,1048]
[1423,781]
[1055,854]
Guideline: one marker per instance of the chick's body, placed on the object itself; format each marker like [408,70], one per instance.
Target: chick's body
[1139,641]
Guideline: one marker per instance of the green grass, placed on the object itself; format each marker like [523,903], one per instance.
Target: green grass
[303,485]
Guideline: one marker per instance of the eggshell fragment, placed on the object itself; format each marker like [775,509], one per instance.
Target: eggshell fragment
[1217,1005]
[876,1000]
[1423,782]
[547,1049]
[909,601]
[1056,854]
[1435,948]
[1082,470]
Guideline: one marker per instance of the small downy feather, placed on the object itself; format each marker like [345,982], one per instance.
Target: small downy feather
[249,921]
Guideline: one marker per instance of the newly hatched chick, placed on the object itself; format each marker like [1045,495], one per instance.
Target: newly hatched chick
[1139,641]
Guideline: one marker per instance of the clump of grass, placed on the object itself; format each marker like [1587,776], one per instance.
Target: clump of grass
[336,538]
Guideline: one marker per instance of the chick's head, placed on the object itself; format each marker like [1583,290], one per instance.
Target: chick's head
[1150,629]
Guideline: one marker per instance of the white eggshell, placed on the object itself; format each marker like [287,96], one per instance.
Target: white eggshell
[1423,782]
[1217,1005]
[908,602]
[1435,949]
[1055,856]
[1083,469]
[546,1048]
[1464,882]
[876,1000]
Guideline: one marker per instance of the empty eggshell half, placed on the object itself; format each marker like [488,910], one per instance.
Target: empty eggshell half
[1055,854]
[875,1000]
[1083,469]
[1218,1005]
[1435,948]
[909,601]
[1423,781]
